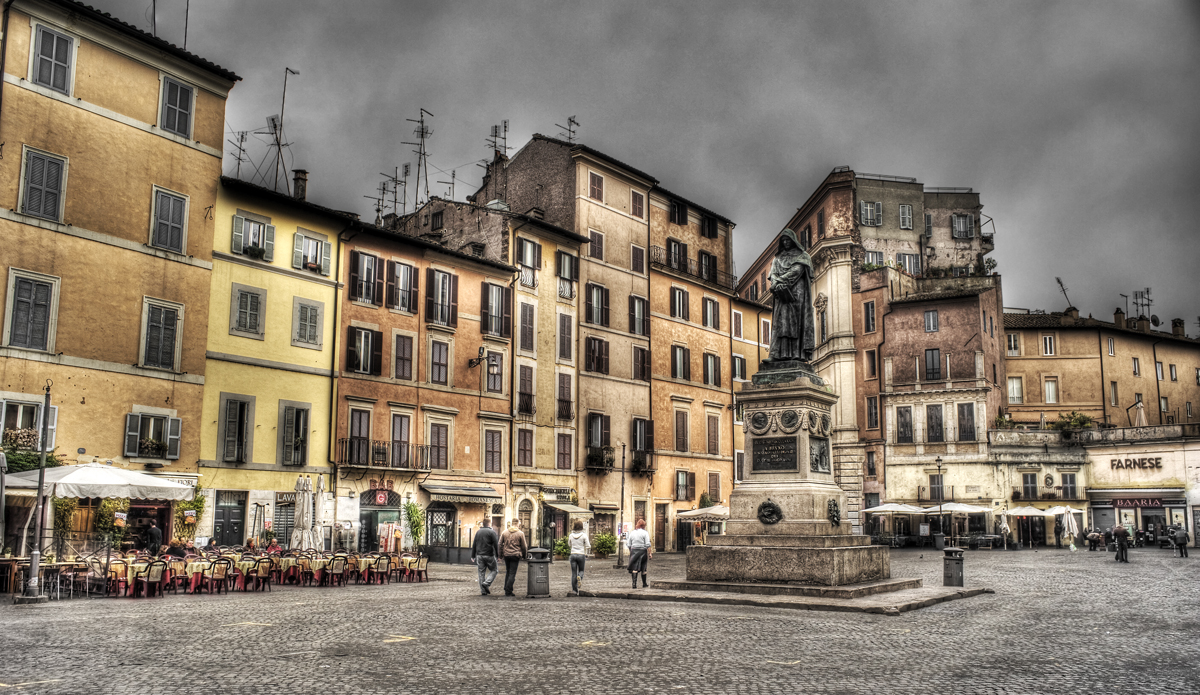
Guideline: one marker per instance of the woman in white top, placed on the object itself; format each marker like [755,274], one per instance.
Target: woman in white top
[580,547]
[639,552]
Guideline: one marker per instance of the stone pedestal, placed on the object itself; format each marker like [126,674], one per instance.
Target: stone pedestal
[786,519]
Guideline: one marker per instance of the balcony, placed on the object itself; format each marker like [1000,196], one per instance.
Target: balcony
[566,288]
[361,452]
[690,266]
[599,459]
[1033,493]
[933,495]
[643,464]
[528,276]
[564,411]
[525,404]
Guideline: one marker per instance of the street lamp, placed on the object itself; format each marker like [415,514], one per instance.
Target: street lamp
[941,498]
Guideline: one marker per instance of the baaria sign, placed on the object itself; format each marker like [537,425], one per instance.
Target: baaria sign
[1138,502]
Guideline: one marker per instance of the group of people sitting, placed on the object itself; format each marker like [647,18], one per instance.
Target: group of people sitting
[182,548]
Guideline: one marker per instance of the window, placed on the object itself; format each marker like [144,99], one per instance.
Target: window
[1051,390]
[642,434]
[441,297]
[525,390]
[1029,486]
[737,324]
[1015,392]
[1158,370]
[1137,398]
[752,293]
[708,227]
[364,351]
[824,325]
[681,367]
[966,422]
[931,321]
[739,368]
[1111,347]
[872,412]
[1112,393]
[596,304]
[439,446]
[237,428]
[525,447]
[176,108]
[639,316]
[911,263]
[439,363]
[404,357]
[565,341]
[306,323]
[904,430]
[436,221]
[872,364]
[247,311]
[681,430]
[685,485]
[637,259]
[161,323]
[491,451]
[596,357]
[1162,404]
[312,252]
[43,185]
[712,315]
[1137,367]
[933,364]
[874,258]
[1013,341]
[596,247]
[712,369]
[28,416]
[1068,486]
[641,363]
[527,329]
[906,217]
[598,430]
[964,226]
[568,274]
[764,335]
[565,399]
[708,265]
[495,372]
[936,490]
[595,186]
[1174,374]
[679,303]
[679,213]
[869,317]
[871,471]
[365,283]
[870,214]
[400,440]
[52,60]
[637,204]
[1048,345]
[934,430]
[293,434]
[928,224]
[170,219]
[714,435]
[564,452]
[401,285]
[677,254]
[150,436]
[32,310]
[1188,409]
[820,224]
[495,316]
[529,260]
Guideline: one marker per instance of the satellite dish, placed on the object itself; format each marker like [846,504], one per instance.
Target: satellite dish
[1154,320]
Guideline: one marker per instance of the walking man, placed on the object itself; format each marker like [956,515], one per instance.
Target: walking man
[513,547]
[153,539]
[1122,535]
[639,552]
[1181,540]
[483,553]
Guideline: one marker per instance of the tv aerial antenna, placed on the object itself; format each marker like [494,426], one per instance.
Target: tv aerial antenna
[450,183]
[1142,301]
[1063,288]
[498,138]
[570,127]
[378,198]
[422,132]
[239,151]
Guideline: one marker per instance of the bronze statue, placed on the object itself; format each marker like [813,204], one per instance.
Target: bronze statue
[792,315]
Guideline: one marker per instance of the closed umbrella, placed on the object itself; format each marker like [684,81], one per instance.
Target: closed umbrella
[318,512]
[300,517]
[1070,528]
[1139,418]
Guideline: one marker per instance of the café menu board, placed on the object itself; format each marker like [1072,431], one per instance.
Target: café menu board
[775,454]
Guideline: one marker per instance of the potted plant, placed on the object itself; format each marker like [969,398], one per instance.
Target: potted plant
[256,252]
[151,448]
[7,551]
[562,548]
[604,544]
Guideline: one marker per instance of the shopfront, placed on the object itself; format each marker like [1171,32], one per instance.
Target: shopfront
[1149,511]
[1141,487]
[455,512]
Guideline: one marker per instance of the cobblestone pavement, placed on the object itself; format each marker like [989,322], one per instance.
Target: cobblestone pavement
[1059,622]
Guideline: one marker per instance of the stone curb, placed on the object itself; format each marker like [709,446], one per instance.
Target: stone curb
[794,603]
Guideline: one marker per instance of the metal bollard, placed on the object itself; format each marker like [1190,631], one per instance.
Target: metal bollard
[952,568]
[538,579]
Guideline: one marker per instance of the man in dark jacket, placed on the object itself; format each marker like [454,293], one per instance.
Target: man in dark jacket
[513,547]
[1122,535]
[483,553]
[153,539]
[1181,540]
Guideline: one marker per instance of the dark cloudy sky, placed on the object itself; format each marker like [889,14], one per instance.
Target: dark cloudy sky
[1077,121]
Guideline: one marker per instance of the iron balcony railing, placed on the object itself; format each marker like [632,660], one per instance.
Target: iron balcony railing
[373,453]
[565,411]
[690,266]
[1041,492]
[529,276]
[599,459]
[566,288]
[935,494]
[643,463]
[525,404]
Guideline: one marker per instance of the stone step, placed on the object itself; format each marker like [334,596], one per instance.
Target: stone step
[847,541]
[847,591]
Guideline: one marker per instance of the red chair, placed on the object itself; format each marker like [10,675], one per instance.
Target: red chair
[155,574]
[217,576]
[420,573]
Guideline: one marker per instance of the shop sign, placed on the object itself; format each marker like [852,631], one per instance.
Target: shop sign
[190,482]
[285,498]
[381,484]
[1155,462]
[1138,502]
[381,497]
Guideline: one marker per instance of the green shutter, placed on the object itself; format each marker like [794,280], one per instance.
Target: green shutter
[174,429]
[133,425]
[238,223]
[298,250]
[269,235]
[325,249]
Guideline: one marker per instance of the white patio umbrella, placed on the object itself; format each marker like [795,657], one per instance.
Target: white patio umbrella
[892,509]
[1070,528]
[318,512]
[1026,511]
[1139,416]
[300,521]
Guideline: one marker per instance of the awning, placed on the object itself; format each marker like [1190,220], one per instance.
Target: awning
[100,480]
[464,493]
[604,507]
[715,513]
[570,509]
[1110,494]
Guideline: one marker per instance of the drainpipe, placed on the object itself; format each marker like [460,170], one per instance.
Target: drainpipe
[4,50]
[333,371]
[1157,381]
[1103,386]
[879,371]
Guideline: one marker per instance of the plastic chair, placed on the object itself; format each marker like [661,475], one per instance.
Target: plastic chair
[118,576]
[261,574]
[217,576]
[153,576]
[382,570]
[420,573]
[335,571]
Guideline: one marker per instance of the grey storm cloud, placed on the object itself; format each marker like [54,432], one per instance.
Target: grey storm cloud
[1075,120]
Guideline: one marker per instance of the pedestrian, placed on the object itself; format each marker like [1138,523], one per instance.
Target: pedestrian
[483,553]
[639,552]
[153,539]
[1181,540]
[513,547]
[580,547]
[1122,535]
[1058,530]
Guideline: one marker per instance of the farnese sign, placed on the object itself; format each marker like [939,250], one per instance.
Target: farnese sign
[1153,462]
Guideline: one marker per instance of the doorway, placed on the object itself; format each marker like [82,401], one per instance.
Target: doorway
[229,517]
[683,534]
[1154,523]
[660,527]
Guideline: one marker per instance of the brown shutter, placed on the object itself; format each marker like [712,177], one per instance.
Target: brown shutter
[605,438]
[354,274]
[484,312]
[687,364]
[453,300]
[376,353]
[737,325]
[714,486]
[717,375]
[378,298]
[415,294]
[351,351]
[687,306]
[429,285]
[506,322]
[633,434]
[526,385]
[649,435]
[680,430]
[704,368]
[391,298]
[684,249]
[691,492]
[559,265]
[716,315]
[604,352]
[587,303]
[633,327]
[564,387]
[713,438]
[575,268]
[564,336]
[537,255]
[604,307]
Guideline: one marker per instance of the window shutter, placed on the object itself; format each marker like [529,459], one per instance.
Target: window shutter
[862,212]
[376,353]
[649,435]
[712,437]
[270,243]
[526,326]
[970,225]
[716,316]
[686,306]
[604,307]
[174,429]
[354,277]
[453,300]
[633,323]
[587,302]
[289,428]
[575,268]
[737,325]
[717,375]
[351,349]
[605,435]
[604,355]
[680,430]
[879,214]
[326,248]
[537,255]
[589,356]
[51,427]
[414,293]
[564,336]
[430,278]
[252,312]
[691,477]
[378,294]
[706,370]
[506,321]
[170,322]
[558,264]
[687,364]
[484,313]
[231,430]
[297,250]
[133,430]
[391,293]
[235,245]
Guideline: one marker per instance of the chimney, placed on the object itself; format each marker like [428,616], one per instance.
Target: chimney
[1119,317]
[1143,324]
[300,183]
[1177,328]
[1072,312]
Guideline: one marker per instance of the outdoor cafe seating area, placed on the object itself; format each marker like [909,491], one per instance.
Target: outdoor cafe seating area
[137,575]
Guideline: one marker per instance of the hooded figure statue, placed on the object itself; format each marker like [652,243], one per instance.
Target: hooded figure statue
[792,315]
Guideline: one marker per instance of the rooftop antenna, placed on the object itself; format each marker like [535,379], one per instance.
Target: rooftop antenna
[450,183]
[273,131]
[1142,301]
[1063,288]
[187,11]
[404,200]
[394,179]
[378,203]
[422,132]
[1126,303]
[570,127]
[279,132]
[240,151]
